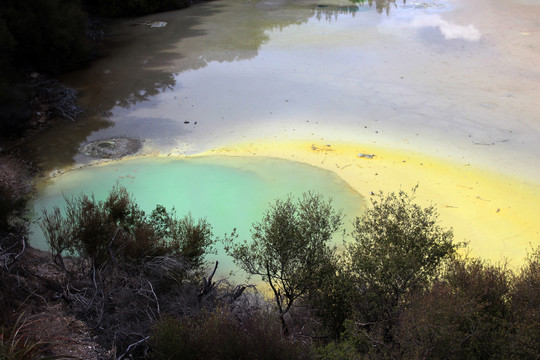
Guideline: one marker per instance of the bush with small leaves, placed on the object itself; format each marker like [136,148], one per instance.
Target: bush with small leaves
[290,248]
[398,247]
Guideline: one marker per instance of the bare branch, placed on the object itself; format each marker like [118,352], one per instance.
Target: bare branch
[132,346]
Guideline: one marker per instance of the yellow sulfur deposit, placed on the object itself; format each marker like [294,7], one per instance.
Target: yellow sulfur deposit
[496,214]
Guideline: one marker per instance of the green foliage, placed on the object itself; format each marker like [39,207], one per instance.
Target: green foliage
[353,344]
[289,247]
[473,310]
[117,228]
[398,247]
[191,239]
[400,290]
[128,267]
[221,334]
[331,300]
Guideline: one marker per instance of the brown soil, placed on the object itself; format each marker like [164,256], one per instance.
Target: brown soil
[34,289]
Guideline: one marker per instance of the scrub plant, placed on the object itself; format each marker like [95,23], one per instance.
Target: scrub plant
[224,334]
[126,267]
[289,248]
[16,344]
[398,247]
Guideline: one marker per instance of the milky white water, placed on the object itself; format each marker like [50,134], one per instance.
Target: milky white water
[454,79]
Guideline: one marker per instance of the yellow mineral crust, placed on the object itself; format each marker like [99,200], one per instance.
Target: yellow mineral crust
[496,214]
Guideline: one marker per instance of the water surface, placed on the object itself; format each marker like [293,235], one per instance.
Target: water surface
[451,78]
[230,192]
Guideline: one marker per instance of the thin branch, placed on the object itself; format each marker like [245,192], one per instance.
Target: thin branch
[128,350]
[22,251]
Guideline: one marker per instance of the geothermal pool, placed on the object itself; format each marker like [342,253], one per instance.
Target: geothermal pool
[230,192]
[443,93]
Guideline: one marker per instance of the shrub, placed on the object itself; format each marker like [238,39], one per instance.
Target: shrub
[525,306]
[464,315]
[117,228]
[221,334]
[398,247]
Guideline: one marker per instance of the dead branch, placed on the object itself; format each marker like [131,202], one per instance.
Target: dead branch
[155,296]
[208,286]
[60,100]
[8,257]
[111,244]
[132,346]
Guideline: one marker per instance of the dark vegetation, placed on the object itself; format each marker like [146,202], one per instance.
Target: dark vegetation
[40,39]
[398,290]
[113,8]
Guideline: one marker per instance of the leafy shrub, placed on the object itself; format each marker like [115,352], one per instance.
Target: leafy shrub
[290,248]
[117,228]
[129,267]
[464,315]
[331,301]
[398,247]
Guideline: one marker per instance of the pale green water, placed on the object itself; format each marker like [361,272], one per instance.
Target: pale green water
[229,192]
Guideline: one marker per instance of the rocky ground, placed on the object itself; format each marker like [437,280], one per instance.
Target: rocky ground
[50,313]
[30,281]
[113,148]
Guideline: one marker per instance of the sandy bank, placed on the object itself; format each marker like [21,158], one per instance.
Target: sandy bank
[495,213]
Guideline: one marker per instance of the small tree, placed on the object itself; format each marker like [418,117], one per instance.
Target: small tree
[289,248]
[398,247]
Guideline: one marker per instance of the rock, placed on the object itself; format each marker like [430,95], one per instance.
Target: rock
[113,148]
[154,24]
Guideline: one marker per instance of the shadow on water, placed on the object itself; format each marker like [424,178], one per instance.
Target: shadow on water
[140,62]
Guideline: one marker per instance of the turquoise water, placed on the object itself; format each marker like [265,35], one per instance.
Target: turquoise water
[231,192]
